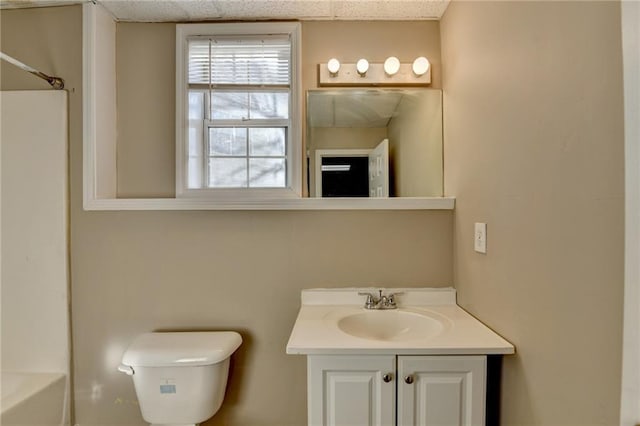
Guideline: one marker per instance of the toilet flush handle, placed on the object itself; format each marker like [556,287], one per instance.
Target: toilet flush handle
[126,369]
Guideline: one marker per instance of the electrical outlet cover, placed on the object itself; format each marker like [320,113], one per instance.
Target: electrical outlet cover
[480,238]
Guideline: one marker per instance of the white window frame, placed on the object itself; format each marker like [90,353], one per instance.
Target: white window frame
[293,187]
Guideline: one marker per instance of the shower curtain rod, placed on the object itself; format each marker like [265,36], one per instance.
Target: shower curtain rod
[55,82]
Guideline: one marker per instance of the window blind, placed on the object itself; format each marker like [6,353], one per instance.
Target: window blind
[240,61]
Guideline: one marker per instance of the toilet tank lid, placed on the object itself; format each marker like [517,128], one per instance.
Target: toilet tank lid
[181,349]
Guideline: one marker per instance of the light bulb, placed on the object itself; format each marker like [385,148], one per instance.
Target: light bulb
[391,65]
[362,66]
[333,66]
[421,65]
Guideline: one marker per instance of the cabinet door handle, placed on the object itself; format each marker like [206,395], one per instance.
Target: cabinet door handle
[408,379]
[387,377]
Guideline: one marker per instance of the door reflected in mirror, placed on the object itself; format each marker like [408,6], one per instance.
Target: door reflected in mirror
[398,132]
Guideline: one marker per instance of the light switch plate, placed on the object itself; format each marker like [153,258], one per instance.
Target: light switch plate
[480,238]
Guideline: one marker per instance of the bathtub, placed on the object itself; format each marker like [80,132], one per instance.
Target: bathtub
[32,398]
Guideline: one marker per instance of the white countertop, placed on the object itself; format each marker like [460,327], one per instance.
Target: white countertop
[316,331]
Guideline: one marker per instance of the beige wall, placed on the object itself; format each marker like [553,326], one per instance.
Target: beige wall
[415,145]
[137,271]
[533,124]
[351,40]
[146,109]
[347,137]
[534,147]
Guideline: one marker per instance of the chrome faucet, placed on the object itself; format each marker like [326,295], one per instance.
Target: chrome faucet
[381,302]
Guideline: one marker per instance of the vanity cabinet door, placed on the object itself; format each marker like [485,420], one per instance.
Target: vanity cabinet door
[351,390]
[441,390]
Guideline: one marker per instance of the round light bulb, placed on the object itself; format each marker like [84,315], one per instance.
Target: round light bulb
[362,66]
[421,65]
[391,65]
[333,65]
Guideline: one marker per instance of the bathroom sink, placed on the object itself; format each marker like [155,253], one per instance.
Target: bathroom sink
[426,322]
[390,325]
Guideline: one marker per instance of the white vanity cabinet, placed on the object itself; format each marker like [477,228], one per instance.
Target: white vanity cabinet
[350,390]
[442,390]
[427,362]
[403,390]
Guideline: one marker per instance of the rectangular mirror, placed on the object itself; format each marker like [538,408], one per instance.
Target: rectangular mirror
[374,143]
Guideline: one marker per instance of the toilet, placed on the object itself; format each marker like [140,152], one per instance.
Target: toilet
[180,378]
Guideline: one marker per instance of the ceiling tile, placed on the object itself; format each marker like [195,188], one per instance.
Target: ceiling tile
[389,9]
[211,10]
[200,10]
[275,9]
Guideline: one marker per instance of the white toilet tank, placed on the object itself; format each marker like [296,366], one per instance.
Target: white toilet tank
[180,378]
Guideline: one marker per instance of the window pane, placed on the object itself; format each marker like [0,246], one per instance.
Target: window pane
[239,91]
[227,173]
[195,139]
[228,141]
[229,105]
[199,62]
[267,173]
[196,105]
[269,105]
[240,60]
[250,61]
[195,145]
[267,141]
[194,179]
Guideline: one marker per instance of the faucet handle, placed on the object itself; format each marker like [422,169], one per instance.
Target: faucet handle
[370,302]
[391,299]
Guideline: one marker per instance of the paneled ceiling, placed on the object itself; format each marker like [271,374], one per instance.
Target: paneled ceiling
[207,10]
[357,109]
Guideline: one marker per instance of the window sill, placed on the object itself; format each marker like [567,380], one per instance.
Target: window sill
[413,203]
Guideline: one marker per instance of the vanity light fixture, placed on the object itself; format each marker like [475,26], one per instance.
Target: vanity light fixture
[421,65]
[362,66]
[391,65]
[333,66]
[363,73]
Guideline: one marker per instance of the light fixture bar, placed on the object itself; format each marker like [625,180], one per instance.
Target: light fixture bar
[348,75]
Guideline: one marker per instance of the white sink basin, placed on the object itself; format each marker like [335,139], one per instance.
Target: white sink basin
[390,325]
[427,322]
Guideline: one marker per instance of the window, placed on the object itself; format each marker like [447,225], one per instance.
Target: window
[238,119]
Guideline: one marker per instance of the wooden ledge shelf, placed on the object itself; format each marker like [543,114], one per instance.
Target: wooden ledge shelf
[418,203]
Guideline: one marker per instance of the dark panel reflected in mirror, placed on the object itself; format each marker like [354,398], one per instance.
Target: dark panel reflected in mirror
[345,177]
[397,131]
